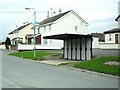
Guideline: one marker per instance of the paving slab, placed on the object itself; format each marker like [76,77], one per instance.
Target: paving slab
[57,62]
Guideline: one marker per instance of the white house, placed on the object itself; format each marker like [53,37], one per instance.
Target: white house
[112,36]
[112,39]
[118,18]
[64,23]
[97,39]
[19,34]
[25,35]
[68,22]
[70,28]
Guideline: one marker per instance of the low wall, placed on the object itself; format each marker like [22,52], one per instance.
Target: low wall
[38,47]
[2,46]
[95,43]
[109,46]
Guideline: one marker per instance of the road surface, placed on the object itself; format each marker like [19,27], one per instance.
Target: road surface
[23,73]
[103,52]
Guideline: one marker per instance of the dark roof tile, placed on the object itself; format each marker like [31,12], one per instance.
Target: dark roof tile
[97,34]
[115,30]
[19,28]
[117,18]
[54,18]
[101,36]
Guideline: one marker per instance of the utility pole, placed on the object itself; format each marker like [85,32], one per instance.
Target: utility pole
[34,28]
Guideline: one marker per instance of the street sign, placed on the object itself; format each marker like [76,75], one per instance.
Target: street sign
[37,23]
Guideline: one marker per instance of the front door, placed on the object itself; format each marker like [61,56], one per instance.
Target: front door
[29,40]
[116,38]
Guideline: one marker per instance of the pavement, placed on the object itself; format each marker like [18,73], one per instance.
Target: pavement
[56,62]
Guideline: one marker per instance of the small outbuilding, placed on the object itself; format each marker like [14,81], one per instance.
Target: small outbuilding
[76,46]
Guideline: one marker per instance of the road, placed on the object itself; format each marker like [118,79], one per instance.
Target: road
[23,73]
[103,52]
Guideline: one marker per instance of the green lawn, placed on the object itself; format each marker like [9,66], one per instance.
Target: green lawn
[30,54]
[99,66]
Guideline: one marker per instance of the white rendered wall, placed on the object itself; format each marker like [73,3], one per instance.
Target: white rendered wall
[95,42]
[109,46]
[119,23]
[13,35]
[2,46]
[22,33]
[112,38]
[119,38]
[27,30]
[31,47]
[67,25]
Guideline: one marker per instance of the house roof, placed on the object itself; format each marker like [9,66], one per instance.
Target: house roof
[19,28]
[16,38]
[32,35]
[101,36]
[117,18]
[66,36]
[56,17]
[97,34]
[115,30]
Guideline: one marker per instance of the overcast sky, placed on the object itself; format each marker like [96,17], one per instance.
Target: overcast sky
[100,14]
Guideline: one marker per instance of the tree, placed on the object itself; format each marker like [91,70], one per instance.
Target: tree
[7,43]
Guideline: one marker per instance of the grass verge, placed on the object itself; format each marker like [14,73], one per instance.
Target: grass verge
[29,55]
[98,65]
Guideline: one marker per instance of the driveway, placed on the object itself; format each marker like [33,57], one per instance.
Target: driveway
[23,73]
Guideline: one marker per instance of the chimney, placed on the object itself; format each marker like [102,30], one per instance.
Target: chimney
[51,11]
[60,10]
[47,14]
[54,13]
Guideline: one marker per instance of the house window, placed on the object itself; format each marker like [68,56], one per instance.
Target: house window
[44,28]
[20,40]
[38,30]
[109,37]
[76,28]
[50,41]
[45,41]
[81,23]
[32,40]
[49,27]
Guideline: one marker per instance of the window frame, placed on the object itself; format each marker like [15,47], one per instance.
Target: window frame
[110,39]
[76,28]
